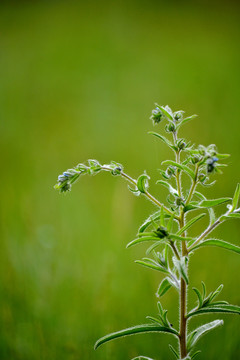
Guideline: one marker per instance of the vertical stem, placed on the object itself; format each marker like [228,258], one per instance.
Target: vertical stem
[183,285]
[183,303]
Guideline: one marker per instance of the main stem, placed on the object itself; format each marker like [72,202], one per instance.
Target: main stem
[183,285]
[183,303]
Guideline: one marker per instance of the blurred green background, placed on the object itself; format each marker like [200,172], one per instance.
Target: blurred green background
[78,80]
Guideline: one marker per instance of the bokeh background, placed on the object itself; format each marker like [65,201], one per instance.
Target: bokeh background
[78,80]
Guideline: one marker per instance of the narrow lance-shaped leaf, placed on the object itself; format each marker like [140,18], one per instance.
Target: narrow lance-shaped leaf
[149,221]
[163,287]
[200,298]
[142,358]
[145,328]
[170,223]
[174,351]
[194,336]
[214,202]
[151,266]
[218,243]
[181,266]
[141,240]
[205,204]
[210,210]
[153,247]
[167,185]
[218,308]
[236,197]
[162,217]
[164,139]
[184,121]
[185,168]
[190,223]
[167,111]
[195,354]
[181,238]
[231,216]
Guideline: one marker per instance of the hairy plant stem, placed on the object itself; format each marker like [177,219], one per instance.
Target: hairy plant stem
[147,194]
[205,233]
[193,187]
[183,301]
[183,285]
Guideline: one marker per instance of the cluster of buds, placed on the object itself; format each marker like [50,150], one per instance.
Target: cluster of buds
[181,144]
[70,176]
[211,164]
[156,116]
[66,180]
[178,115]
[161,232]
[165,112]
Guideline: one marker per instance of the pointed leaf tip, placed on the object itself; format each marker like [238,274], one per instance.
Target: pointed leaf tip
[138,329]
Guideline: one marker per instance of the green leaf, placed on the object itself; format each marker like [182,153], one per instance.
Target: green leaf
[134,191]
[214,202]
[195,354]
[170,222]
[219,308]
[142,358]
[142,183]
[154,320]
[153,247]
[141,239]
[162,217]
[164,139]
[204,289]
[210,210]
[174,351]
[218,243]
[233,216]
[167,185]
[200,298]
[151,266]
[191,206]
[167,111]
[215,293]
[182,167]
[184,121]
[236,197]
[163,287]
[181,238]
[222,156]
[145,328]
[194,336]
[181,266]
[205,204]
[150,220]
[190,223]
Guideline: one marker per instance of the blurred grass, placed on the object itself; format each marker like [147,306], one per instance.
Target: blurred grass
[78,81]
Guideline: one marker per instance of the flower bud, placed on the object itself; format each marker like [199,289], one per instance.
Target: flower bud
[179,201]
[65,187]
[156,116]
[195,159]
[62,178]
[170,127]
[170,171]
[202,177]
[161,232]
[211,164]
[178,115]
[181,144]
